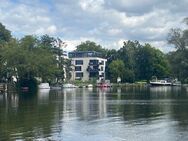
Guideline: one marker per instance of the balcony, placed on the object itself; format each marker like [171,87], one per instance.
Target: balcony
[89,69]
[93,64]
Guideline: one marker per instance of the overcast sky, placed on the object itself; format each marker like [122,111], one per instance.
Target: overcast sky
[106,22]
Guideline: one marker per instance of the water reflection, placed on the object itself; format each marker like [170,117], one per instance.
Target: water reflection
[43,96]
[148,113]
[164,89]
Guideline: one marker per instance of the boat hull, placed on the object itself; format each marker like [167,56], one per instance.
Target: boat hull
[160,84]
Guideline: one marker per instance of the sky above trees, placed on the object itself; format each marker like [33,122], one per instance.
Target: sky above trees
[106,22]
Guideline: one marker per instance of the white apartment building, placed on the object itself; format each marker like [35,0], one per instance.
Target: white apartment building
[87,65]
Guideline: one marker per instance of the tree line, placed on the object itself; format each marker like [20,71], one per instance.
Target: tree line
[33,57]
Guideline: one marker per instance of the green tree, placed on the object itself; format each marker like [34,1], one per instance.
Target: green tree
[140,62]
[91,46]
[151,62]
[26,60]
[179,59]
[5,38]
[128,54]
[5,35]
[47,42]
[117,69]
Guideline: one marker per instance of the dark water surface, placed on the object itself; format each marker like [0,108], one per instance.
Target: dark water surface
[131,114]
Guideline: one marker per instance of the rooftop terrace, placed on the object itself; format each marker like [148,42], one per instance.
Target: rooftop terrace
[81,54]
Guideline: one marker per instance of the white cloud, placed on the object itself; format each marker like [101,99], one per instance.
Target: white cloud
[114,31]
[24,19]
[91,5]
[51,30]
[105,21]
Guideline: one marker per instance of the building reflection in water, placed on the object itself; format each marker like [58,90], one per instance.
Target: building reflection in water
[69,102]
[102,102]
[43,96]
[85,103]
[14,100]
[10,100]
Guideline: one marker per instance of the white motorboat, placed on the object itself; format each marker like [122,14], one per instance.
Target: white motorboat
[68,85]
[160,83]
[44,86]
[165,82]
[89,86]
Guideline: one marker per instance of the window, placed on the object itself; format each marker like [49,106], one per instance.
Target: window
[102,63]
[79,62]
[93,62]
[102,75]
[78,68]
[102,69]
[79,74]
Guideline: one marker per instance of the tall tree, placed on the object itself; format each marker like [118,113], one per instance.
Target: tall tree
[91,46]
[47,42]
[5,38]
[128,54]
[178,37]
[26,60]
[117,69]
[151,62]
[179,59]
[5,34]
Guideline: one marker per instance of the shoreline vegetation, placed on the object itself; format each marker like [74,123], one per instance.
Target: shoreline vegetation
[10,88]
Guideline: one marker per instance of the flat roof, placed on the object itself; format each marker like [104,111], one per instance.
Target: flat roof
[81,54]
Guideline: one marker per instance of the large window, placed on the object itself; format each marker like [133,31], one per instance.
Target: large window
[79,62]
[93,62]
[78,68]
[79,74]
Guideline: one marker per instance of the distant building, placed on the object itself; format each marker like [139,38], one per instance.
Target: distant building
[87,65]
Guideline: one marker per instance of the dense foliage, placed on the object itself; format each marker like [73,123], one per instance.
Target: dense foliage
[29,58]
[179,59]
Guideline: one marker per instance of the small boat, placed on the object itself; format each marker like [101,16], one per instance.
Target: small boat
[160,83]
[89,86]
[68,85]
[44,86]
[104,83]
[56,87]
[165,82]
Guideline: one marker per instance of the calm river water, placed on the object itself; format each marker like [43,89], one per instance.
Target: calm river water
[130,114]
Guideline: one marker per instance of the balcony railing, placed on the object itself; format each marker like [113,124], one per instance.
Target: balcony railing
[92,69]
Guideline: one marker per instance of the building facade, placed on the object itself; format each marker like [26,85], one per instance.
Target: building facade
[87,65]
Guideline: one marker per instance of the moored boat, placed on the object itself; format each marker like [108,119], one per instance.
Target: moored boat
[68,85]
[160,83]
[165,82]
[44,86]
[104,83]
